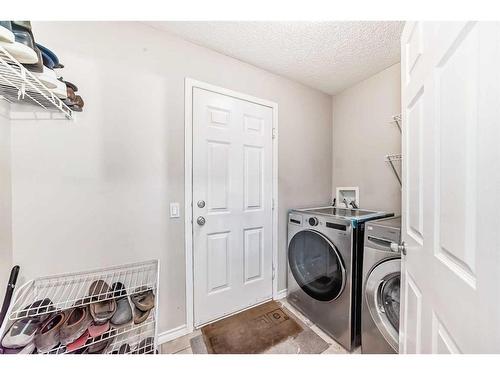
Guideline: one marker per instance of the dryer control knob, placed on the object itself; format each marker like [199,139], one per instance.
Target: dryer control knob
[313,221]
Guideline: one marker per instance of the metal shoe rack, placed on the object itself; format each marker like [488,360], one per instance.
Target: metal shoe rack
[391,159]
[19,86]
[72,290]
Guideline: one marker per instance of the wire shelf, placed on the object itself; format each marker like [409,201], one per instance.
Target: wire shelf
[78,289]
[19,85]
[396,119]
[391,159]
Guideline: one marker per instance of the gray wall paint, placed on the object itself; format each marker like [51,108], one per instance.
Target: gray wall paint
[362,136]
[96,192]
[5,199]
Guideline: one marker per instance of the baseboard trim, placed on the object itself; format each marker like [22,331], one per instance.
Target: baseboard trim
[281,294]
[172,334]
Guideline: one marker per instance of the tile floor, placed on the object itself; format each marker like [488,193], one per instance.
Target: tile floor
[182,345]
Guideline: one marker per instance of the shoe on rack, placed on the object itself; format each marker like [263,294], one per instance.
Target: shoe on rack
[143,298]
[78,321]
[140,316]
[48,335]
[21,333]
[102,311]
[102,308]
[98,329]
[50,59]
[123,313]
[76,345]
[77,105]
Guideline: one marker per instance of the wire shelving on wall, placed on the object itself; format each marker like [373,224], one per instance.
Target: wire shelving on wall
[72,290]
[19,86]
[391,159]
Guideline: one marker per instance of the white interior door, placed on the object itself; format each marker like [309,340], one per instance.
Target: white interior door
[232,204]
[451,188]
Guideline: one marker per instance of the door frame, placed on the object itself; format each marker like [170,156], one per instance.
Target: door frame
[190,84]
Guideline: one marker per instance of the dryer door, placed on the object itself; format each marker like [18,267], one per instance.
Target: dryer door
[316,265]
[382,297]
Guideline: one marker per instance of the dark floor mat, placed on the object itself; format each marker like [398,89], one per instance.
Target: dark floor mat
[251,331]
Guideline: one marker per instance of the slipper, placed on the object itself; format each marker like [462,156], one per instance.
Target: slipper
[6,34]
[70,96]
[143,298]
[76,324]
[78,343]
[123,313]
[140,316]
[98,329]
[77,104]
[102,311]
[47,61]
[21,333]
[50,57]
[47,336]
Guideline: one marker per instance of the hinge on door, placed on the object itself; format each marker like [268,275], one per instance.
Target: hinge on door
[273,204]
[274,272]
[274,133]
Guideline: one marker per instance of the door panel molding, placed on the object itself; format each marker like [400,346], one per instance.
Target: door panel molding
[219,118]
[450,268]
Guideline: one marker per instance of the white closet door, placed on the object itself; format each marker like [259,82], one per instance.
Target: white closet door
[451,171]
[232,182]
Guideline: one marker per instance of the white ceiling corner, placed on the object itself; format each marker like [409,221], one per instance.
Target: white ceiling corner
[328,56]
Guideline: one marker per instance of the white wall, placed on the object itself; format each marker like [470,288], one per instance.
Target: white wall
[5,200]
[362,136]
[96,192]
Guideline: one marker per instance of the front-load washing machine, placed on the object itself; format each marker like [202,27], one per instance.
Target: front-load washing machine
[324,273]
[381,283]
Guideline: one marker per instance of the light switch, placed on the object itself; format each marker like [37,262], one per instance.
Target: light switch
[175,210]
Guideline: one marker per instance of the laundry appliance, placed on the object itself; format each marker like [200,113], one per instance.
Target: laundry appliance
[381,285]
[325,262]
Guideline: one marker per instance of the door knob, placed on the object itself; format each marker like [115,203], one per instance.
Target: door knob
[201,204]
[200,220]
[398,248]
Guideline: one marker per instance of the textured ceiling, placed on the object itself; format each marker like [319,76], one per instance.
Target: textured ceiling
[329,56]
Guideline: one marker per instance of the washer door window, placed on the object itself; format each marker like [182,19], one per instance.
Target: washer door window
[382,296]
[316,265]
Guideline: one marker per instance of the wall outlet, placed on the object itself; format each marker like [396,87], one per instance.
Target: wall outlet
[175,210]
